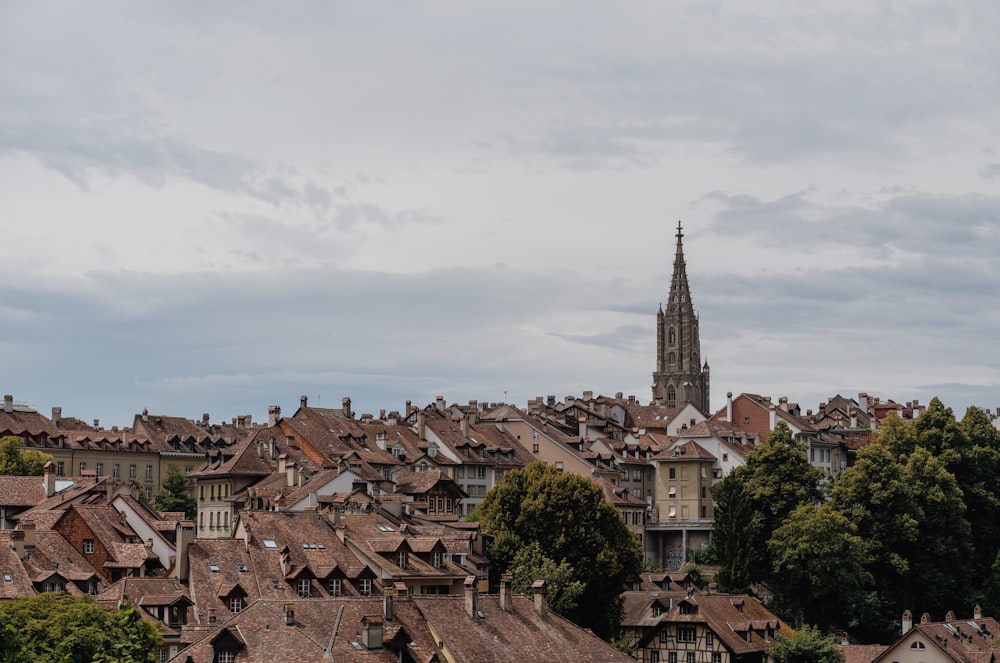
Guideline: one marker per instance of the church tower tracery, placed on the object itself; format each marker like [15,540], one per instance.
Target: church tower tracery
[679,377]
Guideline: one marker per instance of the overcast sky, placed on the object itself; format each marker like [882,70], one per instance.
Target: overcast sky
[217,207]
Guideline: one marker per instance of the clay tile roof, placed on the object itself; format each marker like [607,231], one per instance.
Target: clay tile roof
[21,491]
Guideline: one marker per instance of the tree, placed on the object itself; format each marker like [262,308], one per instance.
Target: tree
[56,628]
[563,590]
[755,499]
[175,494]
[570,522]
[819,565]
[808,645]
[15,460]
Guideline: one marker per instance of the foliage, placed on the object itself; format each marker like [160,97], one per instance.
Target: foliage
[56,628]
[754,501]
[697,576]
[570,522]
[819,565]
[15,460]
[808,645]
[175,494]
[563,590]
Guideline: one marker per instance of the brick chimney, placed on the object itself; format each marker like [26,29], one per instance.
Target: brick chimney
[345,407]
[56,415]
[506,592]
[303,401]
[371,631]
[183,535]
[49,478]
[471,597]
[907,622]
[421,425]
[539,588]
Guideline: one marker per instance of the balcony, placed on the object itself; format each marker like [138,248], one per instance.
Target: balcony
[704,524]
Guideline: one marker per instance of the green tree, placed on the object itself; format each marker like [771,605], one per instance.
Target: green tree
[754,501]
[56,628]
[732,534]
[819,565]
[808,645]
[175,494]
[563,590]
[15,460]
[569,520]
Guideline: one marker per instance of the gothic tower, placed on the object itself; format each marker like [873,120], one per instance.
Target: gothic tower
[679,377]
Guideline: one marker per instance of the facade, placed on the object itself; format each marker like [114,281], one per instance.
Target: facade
[951,641]
[679,377]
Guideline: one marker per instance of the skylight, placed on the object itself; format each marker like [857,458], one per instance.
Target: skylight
[385,528]
[270,544]
[241,567]
[8,577]
[213,567]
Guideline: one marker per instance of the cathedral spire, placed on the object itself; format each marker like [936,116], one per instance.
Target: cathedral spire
[679,377]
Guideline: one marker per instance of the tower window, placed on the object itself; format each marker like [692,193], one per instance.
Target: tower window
[671,396]
[672,338]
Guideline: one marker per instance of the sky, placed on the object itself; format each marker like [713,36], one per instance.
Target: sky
[218,207]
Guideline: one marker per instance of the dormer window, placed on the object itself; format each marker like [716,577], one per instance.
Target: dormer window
[401,559]
[304,587]
[436,559]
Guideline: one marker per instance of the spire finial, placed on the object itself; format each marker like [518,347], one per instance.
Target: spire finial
[679,232]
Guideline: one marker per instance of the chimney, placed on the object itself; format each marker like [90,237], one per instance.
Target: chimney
[346,407]
[773,417]
[783,403]
[273,415]
[977,612]
[97,423]
[844,639]
[204,419]
[949,616]
[464,423]
[588,395]
[907,622]
[8,403]
[303,401]
[17,542]
[439,403]
[854,417]
[371,631]
[421,425]
[183,535]
[471,597]
[409,408]
[56,415]
[28,527]
[539,588]
[729,407]
[291,474]
[387,603]
[582,422]
[49,478]
[925,618]
[550,400]
[506,592]
[473,411]
[211,616]
[289,614]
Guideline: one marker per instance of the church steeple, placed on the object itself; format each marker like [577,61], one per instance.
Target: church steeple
[679,377]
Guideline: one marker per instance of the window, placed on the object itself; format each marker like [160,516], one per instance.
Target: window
[401,559]
[918,645]
[686,634]
[116,471]
[690,657]
[131,471]
[654,656]
[672,473]
[149,472]
[716,657]
[672,513]
[225,656]
[673,492]
[236,604]
[746,420]
[83,466]
[100,469]
[149,493]
[709,639]
[304,587]
[365,587]
[335,587]
[8,577]
[270,544]
[436,559]
[671,396]
[534,435]
[672,657]
[88,546]
[657,610]
[534,447]
[60,469]
[480,472]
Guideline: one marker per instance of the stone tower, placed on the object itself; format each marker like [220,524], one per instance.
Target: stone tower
[680,377]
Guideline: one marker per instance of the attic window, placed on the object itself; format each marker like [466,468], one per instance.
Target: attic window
[275,584]
[7,577]
[270,544]
[385,528]
[241,567]
[213,567]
